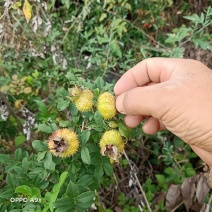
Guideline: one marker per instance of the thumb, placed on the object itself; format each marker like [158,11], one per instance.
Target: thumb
[151,100]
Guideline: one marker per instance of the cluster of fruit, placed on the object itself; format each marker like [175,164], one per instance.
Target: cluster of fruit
[65,143]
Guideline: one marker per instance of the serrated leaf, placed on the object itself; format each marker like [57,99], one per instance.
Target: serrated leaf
[8,193]
[84,180]
[72,189]
[108,169]
[62,105]
[25,164]
[84,137]
[11,180]
[18,154]
[65,123]
[85,155]
[45,128]
[48,163]
[39,145]
[124,130]
[70,76]
[53,126]
[64,205]
[86,197]
[5,158]
[98,173]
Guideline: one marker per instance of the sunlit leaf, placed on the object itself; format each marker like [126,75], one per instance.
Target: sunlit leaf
[27,10]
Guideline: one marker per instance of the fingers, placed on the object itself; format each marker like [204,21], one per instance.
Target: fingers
[152,126]
[148,100]
[150,70]
[203,154]
[133,121]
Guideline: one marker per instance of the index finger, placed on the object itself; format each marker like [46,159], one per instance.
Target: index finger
[152,70]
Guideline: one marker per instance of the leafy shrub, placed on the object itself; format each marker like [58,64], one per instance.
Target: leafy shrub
[55,45]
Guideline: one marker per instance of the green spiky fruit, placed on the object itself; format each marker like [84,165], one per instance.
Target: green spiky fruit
[85,101]
[112,144]
[113,124]
[107,105]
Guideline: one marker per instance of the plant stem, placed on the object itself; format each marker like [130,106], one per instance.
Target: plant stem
[138,183]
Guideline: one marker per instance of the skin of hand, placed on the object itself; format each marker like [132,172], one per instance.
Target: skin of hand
[175,94]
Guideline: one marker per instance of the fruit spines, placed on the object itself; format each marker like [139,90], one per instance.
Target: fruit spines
[85,101]
[112,144]
[63,143]
[106,105]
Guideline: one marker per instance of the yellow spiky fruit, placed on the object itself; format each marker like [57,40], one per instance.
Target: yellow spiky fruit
[112,144]
[85,101]
[63,143]
[107,105]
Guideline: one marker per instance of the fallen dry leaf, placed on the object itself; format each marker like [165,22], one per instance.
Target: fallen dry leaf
[173,197]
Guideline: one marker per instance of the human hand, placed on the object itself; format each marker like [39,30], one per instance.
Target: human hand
[175,94]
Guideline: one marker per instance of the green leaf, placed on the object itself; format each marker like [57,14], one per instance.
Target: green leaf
[108,169]
[11,180]
[72,189]
[48,163]
[124,130]
[24,189]
[45,128]
[98,173]
[99,82]
[84,137]
[85,155]
[8,193]
[98,118]
[102,17]
[161,181]
[53,126]
[25,164]
[115,49]
[56,188]
[35,192]
[20,139]
[62,105]
[66,3]
[70,76]
[85,197]
[85,180]
[18,154]
[62,93]
[169,170]
[65,123]
[41,155]
[190,171]
[5,159]
[64,204]
[39,145]
[41,106]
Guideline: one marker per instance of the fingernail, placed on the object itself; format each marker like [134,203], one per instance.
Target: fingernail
[119,103]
